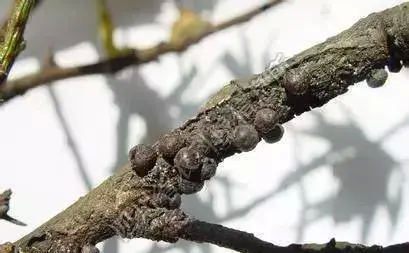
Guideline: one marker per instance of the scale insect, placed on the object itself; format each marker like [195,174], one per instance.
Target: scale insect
[377,78]
[142,159]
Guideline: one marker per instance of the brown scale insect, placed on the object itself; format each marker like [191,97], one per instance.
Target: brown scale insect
[294,82]
[265,120]
[189,187]
[201,143]
[245,137]
[170,144]
[377,78]
[274,135]
[142,159]
[188,162]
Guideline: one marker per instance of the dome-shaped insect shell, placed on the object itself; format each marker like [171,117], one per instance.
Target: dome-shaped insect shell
[189,187]
[294,82]
[377,78]
[245,137]
[202,144]
[142,159]
[274,135]
[188,162]
[265,120]
[170,143]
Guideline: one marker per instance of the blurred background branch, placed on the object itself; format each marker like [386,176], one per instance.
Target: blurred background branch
[185,33]
[11,35]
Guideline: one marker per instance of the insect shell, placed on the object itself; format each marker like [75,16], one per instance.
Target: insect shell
[245,137]
[294,82]
[265,120]
[274,135]
[170,144]
[377,78]
[142,159]
[188,162]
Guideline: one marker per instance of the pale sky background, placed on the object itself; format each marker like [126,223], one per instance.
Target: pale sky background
[340,171]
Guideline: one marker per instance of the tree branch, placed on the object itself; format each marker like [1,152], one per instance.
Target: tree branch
[143,198]
[199,231]
[112,65]
[244,242]
[11,35]
[5,207]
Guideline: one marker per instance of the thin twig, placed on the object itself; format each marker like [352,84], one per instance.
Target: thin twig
[112,65]
[240,241]
[11,35]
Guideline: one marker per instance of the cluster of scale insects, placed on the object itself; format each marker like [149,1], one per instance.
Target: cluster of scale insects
[194,152]
[195,155]
[196,158]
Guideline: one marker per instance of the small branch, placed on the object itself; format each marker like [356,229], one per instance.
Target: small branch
[5,207]
[142,198]
[11,36]
[115,64]
[200,231]
[240,241]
